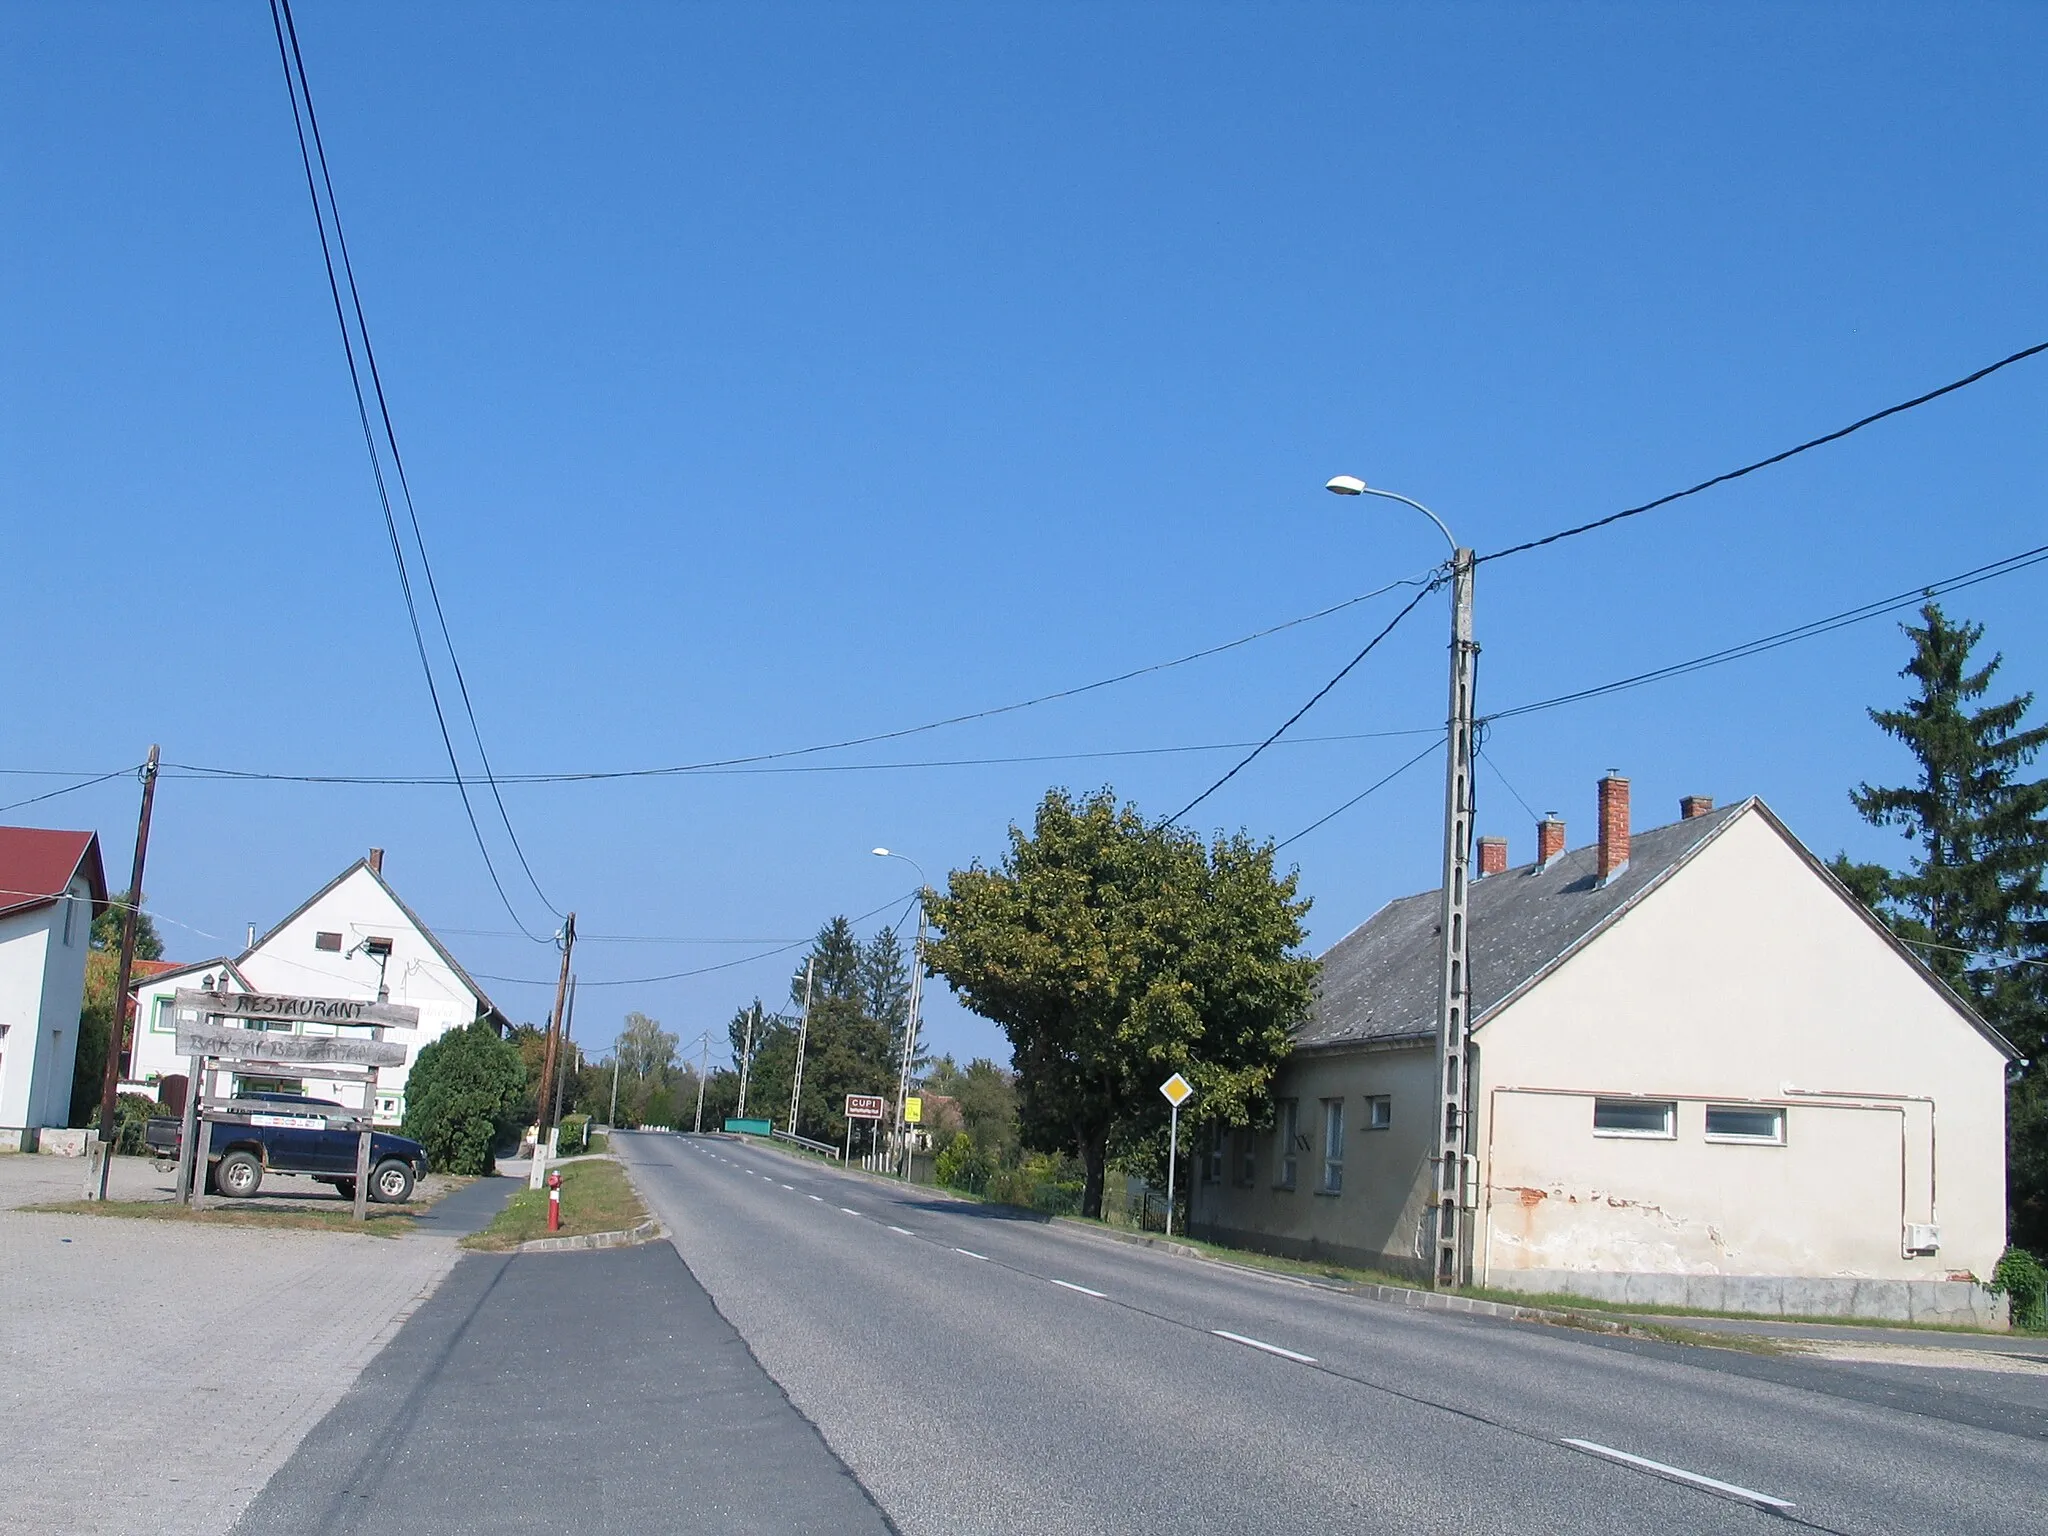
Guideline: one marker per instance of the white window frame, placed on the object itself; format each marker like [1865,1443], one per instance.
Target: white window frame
[1737,1139]
[1333,1148]
[1618,1133]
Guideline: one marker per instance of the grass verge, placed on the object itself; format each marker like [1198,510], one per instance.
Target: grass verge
[596,1197]
[384,1220]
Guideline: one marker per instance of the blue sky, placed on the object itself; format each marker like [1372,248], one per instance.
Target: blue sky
[776,374]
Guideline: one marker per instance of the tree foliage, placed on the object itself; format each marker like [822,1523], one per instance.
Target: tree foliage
[1973,898]
[644,1046]
[106,931]
[1114,952]
[464,1096]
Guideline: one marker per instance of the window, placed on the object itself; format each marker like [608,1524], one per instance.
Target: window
[327,941]
[1212,1161]
[1746,1122]
[160,1020]
[1379,1113]
[1286,1135]
[70,908]
[1333,1146]
[1247,1160]
[1652,1118]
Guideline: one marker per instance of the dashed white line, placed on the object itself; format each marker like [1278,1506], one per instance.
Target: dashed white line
[849,1210]
[1068,1285]
[973,1255]
[1679,1474]
[1271,1349]
[790,1187]
[905,1231]
[819,1198]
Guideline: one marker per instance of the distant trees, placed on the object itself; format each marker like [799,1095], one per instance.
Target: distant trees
[1114,952]
[96,1013]
[1973,899]
[464,1097]
[644,1046]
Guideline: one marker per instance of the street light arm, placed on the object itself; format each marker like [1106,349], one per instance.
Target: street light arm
[1418,506]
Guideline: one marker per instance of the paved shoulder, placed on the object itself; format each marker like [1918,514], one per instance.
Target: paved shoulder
[553,1392]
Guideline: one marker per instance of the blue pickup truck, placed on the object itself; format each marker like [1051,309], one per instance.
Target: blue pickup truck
[289,1133]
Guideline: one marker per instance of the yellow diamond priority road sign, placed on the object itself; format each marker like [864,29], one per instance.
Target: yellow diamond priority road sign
[1176,1088]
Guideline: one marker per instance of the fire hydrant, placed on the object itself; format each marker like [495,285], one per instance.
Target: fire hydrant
[554,1199]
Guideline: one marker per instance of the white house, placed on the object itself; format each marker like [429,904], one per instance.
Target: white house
[1703,1075]
[353,938]
[153,1058]
[51,888]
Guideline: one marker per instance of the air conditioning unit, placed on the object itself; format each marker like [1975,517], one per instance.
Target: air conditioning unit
[1922,1237]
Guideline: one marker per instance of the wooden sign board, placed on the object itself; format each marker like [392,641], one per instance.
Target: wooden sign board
[308,1010]
[864,1106]
[206,1038]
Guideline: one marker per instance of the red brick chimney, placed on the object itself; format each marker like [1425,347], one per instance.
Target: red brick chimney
[1613,826]
[1549,839]
[377,861]
[1691,807]
[1493,856]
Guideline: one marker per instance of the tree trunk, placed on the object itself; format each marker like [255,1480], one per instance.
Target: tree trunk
[1094,1153]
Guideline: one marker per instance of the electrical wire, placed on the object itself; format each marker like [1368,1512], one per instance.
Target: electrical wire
[1506,783]
[1777,458]
[1355,799]
[70,788]
[1314,700]
[299,89]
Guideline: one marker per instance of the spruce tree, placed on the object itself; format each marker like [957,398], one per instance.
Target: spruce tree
[1973,901]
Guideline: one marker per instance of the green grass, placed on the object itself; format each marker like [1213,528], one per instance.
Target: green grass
[596,1197]
[383,1221]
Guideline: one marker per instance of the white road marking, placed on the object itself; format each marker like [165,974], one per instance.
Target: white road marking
[790,1187]
[1068,1285]
[819,1198]
[1679,1474]
[904,1230]
[1271,1349]
[973,1255]
[849,1210]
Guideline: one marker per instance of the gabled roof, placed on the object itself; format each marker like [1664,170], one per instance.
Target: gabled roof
[1379,982]
[37,866]
[166,970]
[485,1007]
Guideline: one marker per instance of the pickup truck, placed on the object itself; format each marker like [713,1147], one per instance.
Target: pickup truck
[290,1134]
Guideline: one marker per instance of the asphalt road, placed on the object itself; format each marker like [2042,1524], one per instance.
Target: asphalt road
[981,1372]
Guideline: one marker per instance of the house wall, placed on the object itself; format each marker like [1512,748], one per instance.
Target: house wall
[155,1055]
[1376,1220]
[42,988]
[290,961]
[1744,979]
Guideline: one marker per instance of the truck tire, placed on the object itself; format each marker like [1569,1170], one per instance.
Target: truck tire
[238,1175]
[390,1183]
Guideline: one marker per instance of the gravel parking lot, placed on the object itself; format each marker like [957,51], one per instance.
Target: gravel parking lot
[154,1374]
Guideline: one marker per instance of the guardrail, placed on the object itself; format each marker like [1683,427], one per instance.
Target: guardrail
[805,1141]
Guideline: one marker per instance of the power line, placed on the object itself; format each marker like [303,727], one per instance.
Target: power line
[69,788]
[1314,700]
[1777,458]
[1808,631]
[299,89]
[1355,799]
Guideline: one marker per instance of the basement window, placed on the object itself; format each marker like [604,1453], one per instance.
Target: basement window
[1653,1119]
[327,941]
[1746,1123]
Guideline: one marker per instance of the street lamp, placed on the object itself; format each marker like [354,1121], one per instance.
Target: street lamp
[1454,981]
[916,995]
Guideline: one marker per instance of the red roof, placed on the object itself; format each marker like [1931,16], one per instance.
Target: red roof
[141,970]
[37,865]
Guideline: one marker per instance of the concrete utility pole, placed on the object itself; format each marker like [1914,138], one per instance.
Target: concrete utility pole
[568,1045]
[803,1037]
[110,1079]
[547,1070]
[703,1071]
[612,1118]
[1451,1133]
[747,1060]
[916,992]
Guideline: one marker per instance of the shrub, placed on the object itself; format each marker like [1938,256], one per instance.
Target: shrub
[132,1112]
[463,1096]
[1044,1181]
[2023,1281]
[963,1165]
[575,1136]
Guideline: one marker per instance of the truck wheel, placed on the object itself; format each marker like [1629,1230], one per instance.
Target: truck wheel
[346,1188]
[391,1183]
[238,1175]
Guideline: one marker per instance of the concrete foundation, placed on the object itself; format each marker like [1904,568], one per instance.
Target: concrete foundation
[1897,1301]
[68,1142]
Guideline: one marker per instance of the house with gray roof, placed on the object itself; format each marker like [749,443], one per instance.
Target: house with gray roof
[1703,1075]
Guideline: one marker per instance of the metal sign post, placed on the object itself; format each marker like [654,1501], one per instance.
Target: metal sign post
[1177,1089]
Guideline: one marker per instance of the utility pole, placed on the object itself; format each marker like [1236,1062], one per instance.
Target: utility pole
[747,1059]
[910,1032]
[803,1036]
[568,1028]
[547,1070]
[1454,985]
[612,1119]
[110,1080]
[703,1071]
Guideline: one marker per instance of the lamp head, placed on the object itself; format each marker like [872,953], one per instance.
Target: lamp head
[1345,485]
[880,853]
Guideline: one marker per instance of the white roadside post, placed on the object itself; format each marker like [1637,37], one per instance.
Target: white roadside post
[1177,1090]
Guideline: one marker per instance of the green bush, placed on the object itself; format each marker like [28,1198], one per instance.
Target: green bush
[1044,1181]
[963,1165]
[575,1136]
[132,1112]
[2023,1281]
[463,1098]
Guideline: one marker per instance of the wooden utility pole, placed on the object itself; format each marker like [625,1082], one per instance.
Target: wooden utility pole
[568,1045]
[110,1081]
[542,1103]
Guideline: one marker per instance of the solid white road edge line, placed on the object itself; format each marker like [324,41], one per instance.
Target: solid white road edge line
[973,1255]
[1697,1479]
[1068,1285]
[1271,1349]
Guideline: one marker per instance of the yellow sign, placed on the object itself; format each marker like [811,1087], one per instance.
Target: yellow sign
[913,1109]
[1176,1088]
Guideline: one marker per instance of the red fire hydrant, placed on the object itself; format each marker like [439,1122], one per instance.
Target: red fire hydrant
[554,1200]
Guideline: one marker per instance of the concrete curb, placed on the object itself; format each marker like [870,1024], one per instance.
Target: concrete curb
[646,1232]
